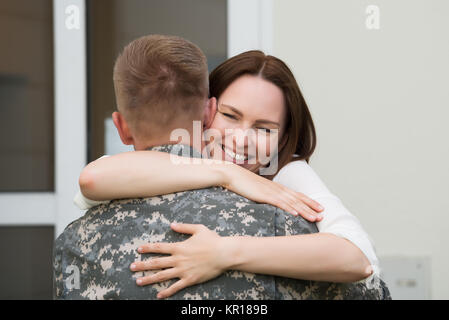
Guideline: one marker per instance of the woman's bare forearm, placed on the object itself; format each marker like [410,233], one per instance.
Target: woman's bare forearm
[147,173]
[139,174]
[319,256]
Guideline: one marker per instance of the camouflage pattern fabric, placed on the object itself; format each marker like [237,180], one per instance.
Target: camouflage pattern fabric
[101,245]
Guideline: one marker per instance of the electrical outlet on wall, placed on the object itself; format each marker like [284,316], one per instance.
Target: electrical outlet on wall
[407,277]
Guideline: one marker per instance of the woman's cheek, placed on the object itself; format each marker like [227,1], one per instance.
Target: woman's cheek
[267,142]
[220,124]
[274,145]
[271,150]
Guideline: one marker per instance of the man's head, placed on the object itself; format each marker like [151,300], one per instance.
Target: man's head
[161,84]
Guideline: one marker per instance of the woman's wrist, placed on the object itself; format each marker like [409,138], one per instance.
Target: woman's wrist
[232,252]
[226,172]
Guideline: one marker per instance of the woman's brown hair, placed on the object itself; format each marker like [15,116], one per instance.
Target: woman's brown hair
[301,139]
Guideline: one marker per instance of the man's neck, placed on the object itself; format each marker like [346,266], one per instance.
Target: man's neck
[195,141]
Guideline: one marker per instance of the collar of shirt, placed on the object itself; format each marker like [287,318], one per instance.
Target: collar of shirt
[182,150]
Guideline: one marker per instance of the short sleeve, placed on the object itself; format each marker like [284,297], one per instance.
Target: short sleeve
[85,203]
[300,177]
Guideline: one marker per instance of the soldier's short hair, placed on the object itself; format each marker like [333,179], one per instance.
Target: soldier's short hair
[160,81]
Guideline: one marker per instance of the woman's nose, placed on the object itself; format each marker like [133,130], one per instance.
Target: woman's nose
[244,140]
[240,137]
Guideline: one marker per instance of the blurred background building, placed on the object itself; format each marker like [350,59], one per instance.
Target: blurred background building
[375,75]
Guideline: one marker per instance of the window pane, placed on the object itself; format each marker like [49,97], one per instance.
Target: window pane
[26,270]
[114,23]
[26,95]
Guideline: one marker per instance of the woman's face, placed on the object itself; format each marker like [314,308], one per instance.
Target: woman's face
[246,112]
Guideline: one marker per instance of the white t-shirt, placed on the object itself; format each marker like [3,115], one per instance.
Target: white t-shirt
[84,203]
[300,177]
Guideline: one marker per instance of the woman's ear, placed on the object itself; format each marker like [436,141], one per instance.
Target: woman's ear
[209,112]
[122,128]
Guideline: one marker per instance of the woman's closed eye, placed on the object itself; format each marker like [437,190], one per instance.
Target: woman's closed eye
[264,130]
[228,115]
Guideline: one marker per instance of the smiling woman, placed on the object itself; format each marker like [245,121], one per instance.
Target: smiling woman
[251,115]
[260,92]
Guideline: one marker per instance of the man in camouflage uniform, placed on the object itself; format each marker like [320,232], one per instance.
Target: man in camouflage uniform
[103,243]
[93,255]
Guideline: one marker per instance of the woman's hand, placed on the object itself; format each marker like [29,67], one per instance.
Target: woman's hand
[198,259]
[260,189]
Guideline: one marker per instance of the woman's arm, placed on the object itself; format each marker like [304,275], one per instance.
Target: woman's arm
[148,173]
[341,252]
[144,174]
[319,256]
[338,221]
[205,255]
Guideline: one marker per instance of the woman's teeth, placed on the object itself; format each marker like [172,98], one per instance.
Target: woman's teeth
[234,156]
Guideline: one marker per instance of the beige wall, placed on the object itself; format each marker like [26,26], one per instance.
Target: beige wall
[380,101]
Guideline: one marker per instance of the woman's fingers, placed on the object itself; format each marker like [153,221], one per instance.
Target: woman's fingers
[186,227]
[153,264]
[301,208]
[158,277]
[284,205]
[305,206]
[303,211]
[294,207]
[159,247]
[307,213]
[168,248]
[312,203]
[310,207]
[302,198]
[178,285]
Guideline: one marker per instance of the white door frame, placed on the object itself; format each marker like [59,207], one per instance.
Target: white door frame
[250,26]
[57,208]
[70,105]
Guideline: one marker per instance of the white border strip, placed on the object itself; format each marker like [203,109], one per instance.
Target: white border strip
[250,26]
[70,105]
[27,209]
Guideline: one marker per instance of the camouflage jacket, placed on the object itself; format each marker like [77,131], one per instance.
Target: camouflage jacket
[93,254]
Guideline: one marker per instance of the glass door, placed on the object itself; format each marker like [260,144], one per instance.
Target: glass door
[115,23]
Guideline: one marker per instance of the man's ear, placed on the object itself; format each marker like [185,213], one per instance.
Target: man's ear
[122,128]
[209,112]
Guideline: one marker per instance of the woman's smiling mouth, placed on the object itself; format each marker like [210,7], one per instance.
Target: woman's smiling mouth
[235,157]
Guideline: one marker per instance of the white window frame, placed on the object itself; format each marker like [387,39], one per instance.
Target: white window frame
[250,26]
[57,208]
